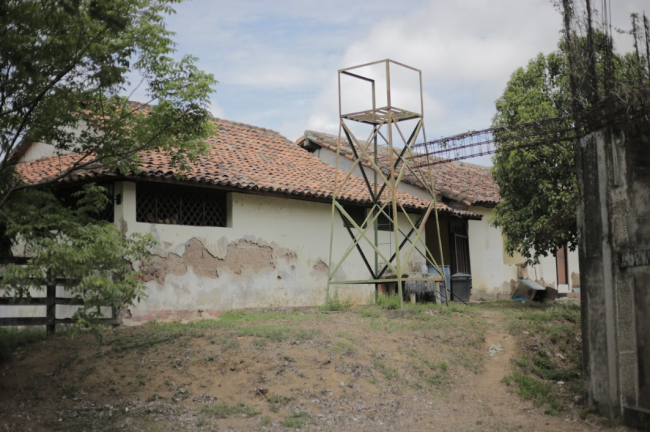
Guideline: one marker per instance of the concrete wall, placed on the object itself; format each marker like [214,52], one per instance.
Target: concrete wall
[614,225]
[273,253]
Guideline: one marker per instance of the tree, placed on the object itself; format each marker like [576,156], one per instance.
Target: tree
[538,184]
[64,68]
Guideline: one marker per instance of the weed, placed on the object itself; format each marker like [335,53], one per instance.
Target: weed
[225,410]
[387,301]
[277,401]
[342,348]
[266,420]
[296,420]
[11,338]
[335,303]
[388,372]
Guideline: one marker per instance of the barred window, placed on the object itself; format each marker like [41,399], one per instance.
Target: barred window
[358,215]
[180,205]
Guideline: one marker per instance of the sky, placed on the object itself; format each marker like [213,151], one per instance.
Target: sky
[277,61]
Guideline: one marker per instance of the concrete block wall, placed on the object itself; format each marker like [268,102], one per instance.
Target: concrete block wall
[614,225]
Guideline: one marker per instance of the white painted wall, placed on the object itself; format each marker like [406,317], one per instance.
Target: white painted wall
[489,272]
[329,157]
[37,151]
[492,269]
[297,233]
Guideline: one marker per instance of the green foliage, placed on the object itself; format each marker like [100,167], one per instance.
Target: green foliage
[531,388]
[65,242]
[538,184]
[65,65]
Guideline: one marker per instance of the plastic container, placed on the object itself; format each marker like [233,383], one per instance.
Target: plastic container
[443,287]
[461,287]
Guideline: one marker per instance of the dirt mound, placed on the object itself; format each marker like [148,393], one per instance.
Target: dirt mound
[359,370]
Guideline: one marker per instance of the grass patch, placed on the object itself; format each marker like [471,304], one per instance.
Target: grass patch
[541,392]
[335,303]
[388,372]
[343,348]
[277,401]
[389,302]
[296,420]
[549,372]
[223,411]
[11,338]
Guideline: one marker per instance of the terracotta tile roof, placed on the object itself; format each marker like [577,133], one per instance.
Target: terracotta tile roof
[459,181]
[244,157]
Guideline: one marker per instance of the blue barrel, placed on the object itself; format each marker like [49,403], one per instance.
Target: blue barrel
[447,275]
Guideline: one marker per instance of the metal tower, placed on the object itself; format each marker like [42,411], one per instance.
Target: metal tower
[393,131]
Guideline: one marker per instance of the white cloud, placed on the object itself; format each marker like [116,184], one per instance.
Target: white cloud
[277,61]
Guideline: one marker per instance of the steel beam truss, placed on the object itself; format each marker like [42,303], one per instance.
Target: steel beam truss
[385,126]
[547,132]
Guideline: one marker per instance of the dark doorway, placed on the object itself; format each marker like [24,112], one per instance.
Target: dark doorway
[459,246]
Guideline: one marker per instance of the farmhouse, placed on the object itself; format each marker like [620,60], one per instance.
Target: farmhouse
[469,245]
[247,227]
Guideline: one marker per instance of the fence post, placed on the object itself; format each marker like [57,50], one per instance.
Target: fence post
[50,306]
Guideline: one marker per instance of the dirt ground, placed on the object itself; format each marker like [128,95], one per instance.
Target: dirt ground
[365,369]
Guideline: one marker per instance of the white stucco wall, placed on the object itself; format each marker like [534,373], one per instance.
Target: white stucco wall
[329,157]
[37,151]
[489,272]
[273,253]
[492,270]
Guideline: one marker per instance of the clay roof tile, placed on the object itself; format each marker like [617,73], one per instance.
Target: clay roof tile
[245,157]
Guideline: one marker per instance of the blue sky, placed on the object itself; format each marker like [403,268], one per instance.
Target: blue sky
[277,61]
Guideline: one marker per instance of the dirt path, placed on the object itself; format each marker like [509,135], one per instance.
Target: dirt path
[497,404]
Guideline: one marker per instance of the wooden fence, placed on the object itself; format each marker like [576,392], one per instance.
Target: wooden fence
[49,301]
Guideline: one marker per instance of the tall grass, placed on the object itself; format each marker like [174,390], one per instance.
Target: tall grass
[12,338]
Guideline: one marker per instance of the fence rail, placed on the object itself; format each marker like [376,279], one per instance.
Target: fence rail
[49,301]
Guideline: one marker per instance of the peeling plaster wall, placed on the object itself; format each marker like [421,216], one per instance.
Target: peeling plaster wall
[274,253]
